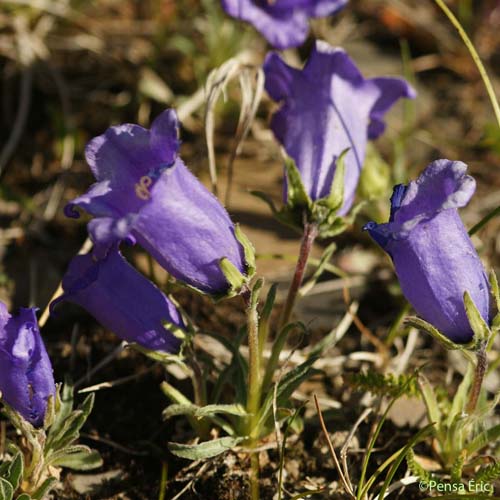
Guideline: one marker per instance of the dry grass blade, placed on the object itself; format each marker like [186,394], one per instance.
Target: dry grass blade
[251,94]
[347,443]
[343,479]
[250,100]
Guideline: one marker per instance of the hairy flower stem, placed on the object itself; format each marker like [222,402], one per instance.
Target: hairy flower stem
[254,390]
[309,235]
[481,365]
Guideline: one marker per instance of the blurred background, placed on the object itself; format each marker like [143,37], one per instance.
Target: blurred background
[69,69]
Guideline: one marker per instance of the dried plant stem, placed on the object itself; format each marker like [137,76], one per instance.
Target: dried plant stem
[254,391]
[308,237]
[475,56]
[343,479]
[481,365]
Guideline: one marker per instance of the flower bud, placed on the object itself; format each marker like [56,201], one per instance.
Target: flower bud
[26,378]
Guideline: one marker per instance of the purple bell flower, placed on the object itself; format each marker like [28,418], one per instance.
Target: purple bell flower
[26,378]
[122,300]
[284,23]
[326,108]
[434,258]
[146,194]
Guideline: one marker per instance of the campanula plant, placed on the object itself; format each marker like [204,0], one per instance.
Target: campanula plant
[284,23]
[39,410]
[124,301]
[443,278]
[145,193]
[327,113]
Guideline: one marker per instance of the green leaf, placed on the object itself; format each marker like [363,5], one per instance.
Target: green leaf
[237,369]
[248,250]
[233,275]
[420,436]
[278,344]
[460,399]
[479,327]
[80,460]
[6,489]
[204,411]
[486,437]
[265,317]
[24,496]
[15,471]
[286,387]
[269,304]
[46,486]
[203,450]
[297,194]
[320,269]
[433,412]
[174,395]
[71,425]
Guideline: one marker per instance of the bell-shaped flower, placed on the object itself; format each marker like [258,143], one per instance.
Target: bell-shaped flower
[146,194]
[26,378]
[328,108]
[284,23]
[123,300]
[433,255]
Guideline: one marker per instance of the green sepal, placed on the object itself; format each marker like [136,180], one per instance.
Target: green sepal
[50,412]
[233,276]
[174,329]
[63,405]
[330,224]
[420,324]
[495,291]
[248,249]
[296,192]
[163,357]
[204,450]
[480,328]
[299,204]
[323,212]
[336,197]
